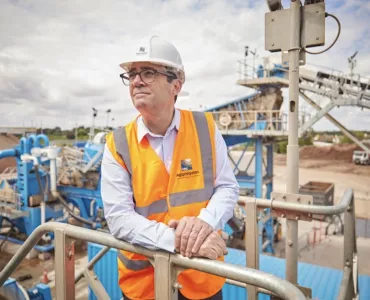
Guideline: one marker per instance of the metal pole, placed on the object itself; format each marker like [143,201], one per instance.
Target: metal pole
[350,249]
[64,266]
[258,176]
[162,276]
[92,262]
[293,148]
[251,245]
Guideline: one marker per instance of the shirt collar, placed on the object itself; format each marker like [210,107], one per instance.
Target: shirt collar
[142,130]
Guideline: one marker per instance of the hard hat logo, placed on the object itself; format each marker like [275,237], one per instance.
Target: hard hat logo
[157,51]
[142,50]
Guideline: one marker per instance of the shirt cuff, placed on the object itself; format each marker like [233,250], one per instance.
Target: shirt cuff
[207,217]
[167,240]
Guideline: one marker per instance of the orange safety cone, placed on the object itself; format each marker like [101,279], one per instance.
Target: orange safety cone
[45,278]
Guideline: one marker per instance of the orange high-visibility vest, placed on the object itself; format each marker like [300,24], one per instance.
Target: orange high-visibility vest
[161,196]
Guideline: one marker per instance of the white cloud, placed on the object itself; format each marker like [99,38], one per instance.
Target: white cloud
[58,59]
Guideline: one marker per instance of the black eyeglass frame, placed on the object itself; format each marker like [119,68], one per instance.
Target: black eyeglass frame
[167,74]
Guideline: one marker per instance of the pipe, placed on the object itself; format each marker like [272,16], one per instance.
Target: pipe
[44,138]
[254,277]
[296,207]
[45,248]
[27,157]
[92,207]
[277,285]
[52,154]
[8,153]
[42,204]
[32,142]
[92,262]
[22,144]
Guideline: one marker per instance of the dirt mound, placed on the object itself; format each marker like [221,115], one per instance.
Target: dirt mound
[336,152]
[7,141]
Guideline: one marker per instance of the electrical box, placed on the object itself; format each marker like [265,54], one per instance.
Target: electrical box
[277,28]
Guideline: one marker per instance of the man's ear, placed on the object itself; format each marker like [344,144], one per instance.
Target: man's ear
[176,87]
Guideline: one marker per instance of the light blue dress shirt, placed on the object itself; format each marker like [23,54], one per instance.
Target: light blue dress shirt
[124,223]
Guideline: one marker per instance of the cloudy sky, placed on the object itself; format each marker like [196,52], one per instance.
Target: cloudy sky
[58,59]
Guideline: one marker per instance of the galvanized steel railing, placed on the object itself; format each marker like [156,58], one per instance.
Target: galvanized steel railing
[166,265]
[349,285]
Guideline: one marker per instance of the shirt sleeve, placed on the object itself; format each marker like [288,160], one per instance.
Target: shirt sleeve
[226,192]
[123,222]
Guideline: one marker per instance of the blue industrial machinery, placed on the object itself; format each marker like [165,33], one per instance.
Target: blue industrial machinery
[59,184]
[23,199]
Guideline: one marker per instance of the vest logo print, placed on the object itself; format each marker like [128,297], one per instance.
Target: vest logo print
[186,164]
[187,168]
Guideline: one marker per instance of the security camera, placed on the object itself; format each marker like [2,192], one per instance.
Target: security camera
[274,5]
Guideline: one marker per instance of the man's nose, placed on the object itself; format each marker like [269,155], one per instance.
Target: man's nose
[137,80]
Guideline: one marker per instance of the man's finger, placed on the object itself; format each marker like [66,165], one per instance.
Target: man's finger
[173,223]
[185,236]
[202,235]
[224,248]
[218,249]
[192,238]
[180,227]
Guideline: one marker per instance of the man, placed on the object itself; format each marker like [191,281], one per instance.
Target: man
[166,179]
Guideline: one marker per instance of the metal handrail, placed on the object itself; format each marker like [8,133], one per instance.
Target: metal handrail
[349,284]
[280,287]
[296,207]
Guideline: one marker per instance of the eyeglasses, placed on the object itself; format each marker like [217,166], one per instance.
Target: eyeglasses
[147,76]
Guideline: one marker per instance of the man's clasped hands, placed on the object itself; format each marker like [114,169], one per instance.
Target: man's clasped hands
[196,238]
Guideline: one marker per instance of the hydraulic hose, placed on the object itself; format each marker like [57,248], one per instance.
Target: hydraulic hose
[78,218]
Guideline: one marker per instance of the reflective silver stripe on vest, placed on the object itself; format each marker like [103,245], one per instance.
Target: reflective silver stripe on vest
[205,149]
[156,207]
[120,140]
[189,197]
[134,265]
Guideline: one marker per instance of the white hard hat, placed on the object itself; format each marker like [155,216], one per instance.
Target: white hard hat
[157,51]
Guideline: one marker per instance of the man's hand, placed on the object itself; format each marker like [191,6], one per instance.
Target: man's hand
[191,232]
[213,247]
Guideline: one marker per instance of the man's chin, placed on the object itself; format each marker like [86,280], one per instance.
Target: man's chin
[141,104]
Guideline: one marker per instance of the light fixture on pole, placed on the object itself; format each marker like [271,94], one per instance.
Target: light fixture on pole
[92,129]
[108,112]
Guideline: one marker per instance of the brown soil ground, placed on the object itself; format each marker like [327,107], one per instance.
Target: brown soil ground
[7,141]
[336,158]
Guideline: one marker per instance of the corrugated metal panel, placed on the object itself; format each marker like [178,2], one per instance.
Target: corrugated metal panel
[106,270]
[324,282]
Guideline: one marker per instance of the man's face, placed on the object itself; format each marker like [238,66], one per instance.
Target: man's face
[154,96]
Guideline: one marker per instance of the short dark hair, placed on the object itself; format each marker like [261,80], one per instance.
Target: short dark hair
[170,79]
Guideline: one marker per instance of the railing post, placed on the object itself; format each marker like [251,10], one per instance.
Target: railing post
[64,266]
[350,249]
[251,243]
[163,281]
